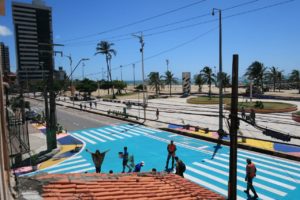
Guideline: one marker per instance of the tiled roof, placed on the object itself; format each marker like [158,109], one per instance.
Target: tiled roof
[121,186]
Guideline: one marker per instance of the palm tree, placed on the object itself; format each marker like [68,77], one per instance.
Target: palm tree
[209,78]
[225,80]
[295,78]
[199,81]
[155,82]
[280,77]
[169,79]
[104,48]
[273,76]
[256,72]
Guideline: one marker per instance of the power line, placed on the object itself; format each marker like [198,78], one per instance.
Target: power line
[139,21]
[170,24]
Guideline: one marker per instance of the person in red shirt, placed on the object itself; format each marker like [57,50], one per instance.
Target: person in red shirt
[171,153]
[250,174]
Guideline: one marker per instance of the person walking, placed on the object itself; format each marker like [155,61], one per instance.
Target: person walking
[85,106]
[180,167]
[171,148]
[157,114]
[91,105]
[250,174]
[95,103]
[97,159]
[243,113]
[252,116]
[80,106]
[125,160]
[139,166]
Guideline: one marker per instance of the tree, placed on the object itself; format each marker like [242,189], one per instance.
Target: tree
[104,48]
[120,85]
[209,78]
[105,85]
[199,81]
[225,80]
[280,78]
[87,86]
[155,82]
[295,78]
[256,72]
[273,76]
[169,79]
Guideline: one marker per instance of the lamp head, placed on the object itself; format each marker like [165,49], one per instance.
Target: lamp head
[213,12]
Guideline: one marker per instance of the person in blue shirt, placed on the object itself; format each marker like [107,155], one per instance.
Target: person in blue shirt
[125,160]
[139,166]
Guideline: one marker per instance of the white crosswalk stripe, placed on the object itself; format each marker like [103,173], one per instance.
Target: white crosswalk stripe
[270,162]
[118,132]
[83,170]
[68,168]
[136,131]
[270,167]
[297,164]
[261,170]
[92,136]
[224,182]
[267,188]
[140,129]
[210,186]
[147,128]
[125,130]
[110,134]
[66,163]
[102,135]
[72,158]
[84,138]
[257,176]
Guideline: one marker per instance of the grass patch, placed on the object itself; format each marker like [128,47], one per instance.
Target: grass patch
[206,100]
[266,105]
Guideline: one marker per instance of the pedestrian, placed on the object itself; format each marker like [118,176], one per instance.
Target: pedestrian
[243,113]
[84,106]
[139,166]
[157,114]
[80,106]
[252,116]
[131,164]
[171,153]
[90,105]
[125,160]
[111,171]
[250,174]
[97,159]
[154,171]
[180,167]
[95,103]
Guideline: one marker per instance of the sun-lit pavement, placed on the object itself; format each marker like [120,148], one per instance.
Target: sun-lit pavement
[177,111]
[207,163]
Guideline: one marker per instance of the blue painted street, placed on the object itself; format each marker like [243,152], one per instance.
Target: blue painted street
[207,163]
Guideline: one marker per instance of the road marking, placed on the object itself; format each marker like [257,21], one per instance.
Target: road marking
[67,168]
[125,130]
[102,135]
[257,176]
[208,185]
[271,157]
[267,188]
[172,135]
[202,147]
[262,170]
[270,167]
[82,170]
[73,158]
[103,131]
[92,136]
[75,124]
[141,129]
[270,162]
[117,132]
[64,164]
[84,138]
[224,182]
[136,131]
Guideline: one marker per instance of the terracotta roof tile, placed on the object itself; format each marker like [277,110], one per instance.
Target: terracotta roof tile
[139,186]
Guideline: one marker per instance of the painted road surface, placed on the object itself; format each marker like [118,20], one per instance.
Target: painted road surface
[206,163]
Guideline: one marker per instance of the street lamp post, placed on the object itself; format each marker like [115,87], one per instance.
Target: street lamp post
[121,72]
[167,61]
[141,38]
[133,66]
[220,74]
[83,70]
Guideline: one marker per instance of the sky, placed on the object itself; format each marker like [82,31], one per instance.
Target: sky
[255,30]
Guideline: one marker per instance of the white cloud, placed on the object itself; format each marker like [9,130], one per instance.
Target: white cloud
[4,31]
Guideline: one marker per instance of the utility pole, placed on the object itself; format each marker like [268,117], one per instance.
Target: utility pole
[220,74]
[83,70]
[233,130]
[121,72]
[167,61]
[71,68]
[133,66]
[141,38]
